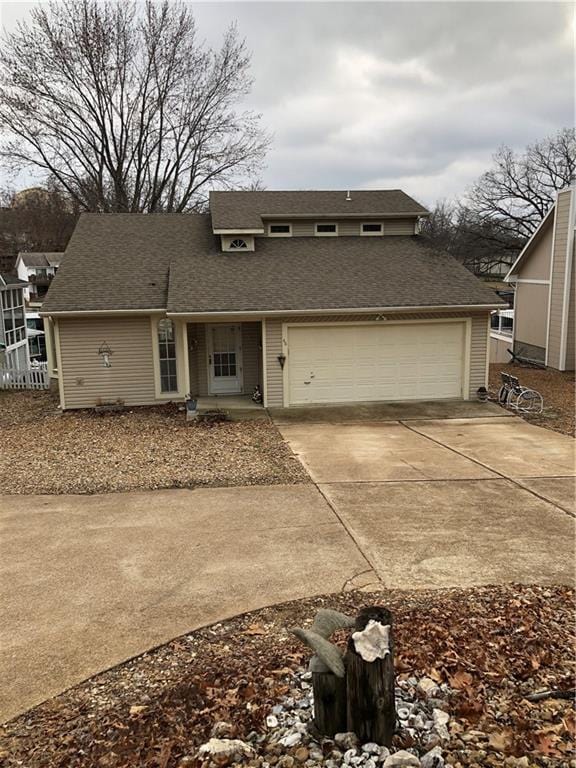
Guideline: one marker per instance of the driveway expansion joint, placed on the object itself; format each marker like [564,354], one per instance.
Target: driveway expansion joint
[499,474]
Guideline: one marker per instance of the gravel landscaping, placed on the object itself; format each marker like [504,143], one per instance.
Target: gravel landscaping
[556,387]
[45,451]
[479,653]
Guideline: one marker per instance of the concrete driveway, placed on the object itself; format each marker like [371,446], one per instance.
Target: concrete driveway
[448,502]
[89,581]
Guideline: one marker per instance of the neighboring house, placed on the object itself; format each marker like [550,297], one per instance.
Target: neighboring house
[544,320]
[315,297]
[13,341]
[38,270]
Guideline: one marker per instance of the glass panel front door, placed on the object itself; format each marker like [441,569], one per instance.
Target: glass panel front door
[224,359]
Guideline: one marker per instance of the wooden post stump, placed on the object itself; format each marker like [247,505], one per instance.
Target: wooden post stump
[371,710]
[329,703]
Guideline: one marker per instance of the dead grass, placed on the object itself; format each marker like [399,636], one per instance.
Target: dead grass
[44,451]
[557,389]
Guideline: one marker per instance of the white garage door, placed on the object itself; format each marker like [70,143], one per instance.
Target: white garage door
[355,363]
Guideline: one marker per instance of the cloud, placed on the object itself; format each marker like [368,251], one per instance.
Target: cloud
[415,95]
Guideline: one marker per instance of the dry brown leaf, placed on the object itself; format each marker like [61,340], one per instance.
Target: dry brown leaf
[501,741]
[461,679]
[254,629]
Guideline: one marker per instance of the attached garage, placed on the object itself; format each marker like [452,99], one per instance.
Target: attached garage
[339,363]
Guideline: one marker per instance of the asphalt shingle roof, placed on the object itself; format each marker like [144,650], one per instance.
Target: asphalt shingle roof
[10,281]
[41,259]
[174,262]
[244,210]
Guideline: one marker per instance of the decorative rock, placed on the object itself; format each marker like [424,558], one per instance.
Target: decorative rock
[403,713]
[402,759]
[301,754]
[225,748]
[440,717]
[428,687]
[432,759]
[371,748]
[346,740]
[286,761]
[272,721]
[349,754]
[222,730]
[291,739]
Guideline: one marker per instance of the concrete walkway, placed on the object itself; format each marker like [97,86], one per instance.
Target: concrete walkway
[89,581]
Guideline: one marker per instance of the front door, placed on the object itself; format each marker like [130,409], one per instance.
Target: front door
[224,359]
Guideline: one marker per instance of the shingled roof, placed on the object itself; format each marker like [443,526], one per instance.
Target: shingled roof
[244,210]
[41,259]
[174,262]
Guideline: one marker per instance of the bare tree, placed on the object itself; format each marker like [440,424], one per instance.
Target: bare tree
[124,108]
[481,245]
[515,194]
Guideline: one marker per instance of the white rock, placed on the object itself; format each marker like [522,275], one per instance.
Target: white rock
[432,759]
[371,747]
[440,717]
[291,739]
[427,686]
[402,759]
[272,721]
[373,642]
[349,755]
[226,748]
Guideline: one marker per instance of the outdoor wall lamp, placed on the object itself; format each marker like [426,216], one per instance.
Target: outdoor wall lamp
[105,353]
[282,360]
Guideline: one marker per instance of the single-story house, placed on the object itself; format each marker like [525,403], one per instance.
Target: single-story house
[314,297]
[544,329]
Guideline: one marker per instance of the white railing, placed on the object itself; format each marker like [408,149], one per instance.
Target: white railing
[502,322]
[29,378]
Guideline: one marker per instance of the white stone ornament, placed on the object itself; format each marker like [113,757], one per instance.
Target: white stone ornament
[373,642]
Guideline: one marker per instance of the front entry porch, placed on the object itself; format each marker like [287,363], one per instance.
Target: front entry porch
[225,364]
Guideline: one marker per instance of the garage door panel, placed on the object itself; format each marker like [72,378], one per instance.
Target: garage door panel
[335,364]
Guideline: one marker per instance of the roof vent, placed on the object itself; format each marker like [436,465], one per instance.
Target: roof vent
[348,195]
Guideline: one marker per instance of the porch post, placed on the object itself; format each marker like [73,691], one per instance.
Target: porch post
[183,335]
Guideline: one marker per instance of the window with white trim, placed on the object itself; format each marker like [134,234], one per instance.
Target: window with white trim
[279,230]
[238,243]
[13,315]
[373,228]
[326,230]
[167,356]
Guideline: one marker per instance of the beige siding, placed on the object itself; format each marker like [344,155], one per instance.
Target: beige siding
[537,264]
[531,314]
[499,349]
[197,359]
[478,346]
[571,331]
[350,227]
[85,381]
[251,356]
[561,233]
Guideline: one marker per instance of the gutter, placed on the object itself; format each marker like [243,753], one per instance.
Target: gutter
[338,311]
[89,312]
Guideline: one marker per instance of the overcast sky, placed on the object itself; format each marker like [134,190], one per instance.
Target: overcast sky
[411,95]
